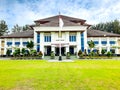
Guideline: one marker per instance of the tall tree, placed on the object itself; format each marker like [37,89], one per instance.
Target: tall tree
[3,27]
[112,26]
[26,27]
[16,28]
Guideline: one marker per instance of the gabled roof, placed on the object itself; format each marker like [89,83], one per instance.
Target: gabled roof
[98,33]
[23,34]
[54,21]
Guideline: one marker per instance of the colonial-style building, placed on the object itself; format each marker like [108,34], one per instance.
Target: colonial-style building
[75,35]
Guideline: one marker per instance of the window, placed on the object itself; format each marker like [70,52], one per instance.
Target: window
[72,38]
[95,50]
[47,38]
[10,50]
[104,42]
[38,37]
[112,42]
[112,51]
[9,43]
[38,48]
[17,43]
[96,42]
[24,43]
[88,50]
[82,41]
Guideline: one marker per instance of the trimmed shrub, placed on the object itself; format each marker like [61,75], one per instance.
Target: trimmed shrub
[52,55]
[68,55]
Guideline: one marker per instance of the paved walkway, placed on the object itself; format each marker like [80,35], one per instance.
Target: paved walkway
[61,61]
[63,58]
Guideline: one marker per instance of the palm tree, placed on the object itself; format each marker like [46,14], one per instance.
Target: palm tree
[30,45]
[23,51]
[91,45]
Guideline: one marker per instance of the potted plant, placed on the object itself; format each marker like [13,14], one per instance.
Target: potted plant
[40,54]
[80,54]
[52,55]
[109,54]
[68,55]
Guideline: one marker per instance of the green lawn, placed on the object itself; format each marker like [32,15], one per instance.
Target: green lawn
[43,75]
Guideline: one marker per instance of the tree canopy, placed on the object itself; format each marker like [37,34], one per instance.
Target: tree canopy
[112,26]
[3,27]
[18,28]
[30,45]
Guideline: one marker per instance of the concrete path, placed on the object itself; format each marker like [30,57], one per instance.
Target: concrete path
[61,61]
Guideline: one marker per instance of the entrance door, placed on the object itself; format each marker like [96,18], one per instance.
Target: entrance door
[71,49]
[48,50]
[63,51]
[57,51]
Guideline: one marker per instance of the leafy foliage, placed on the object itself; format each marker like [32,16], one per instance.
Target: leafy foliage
[85,52]
[52,54]
[68,55]
[18,28]
[23,51]
[80,54]
[91,44]
[40,54]
[3,27]
[91,54]
[33,52]
[109,54]
[8,52]
[30,45]
[16,52]
[103,51]
[112,26]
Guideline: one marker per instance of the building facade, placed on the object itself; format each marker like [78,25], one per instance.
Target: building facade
[75,36]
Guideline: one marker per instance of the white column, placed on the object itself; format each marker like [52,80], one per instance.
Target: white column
[53,37]
[21,45]
[0,46]
[67,41]
[13,45]
[85,39]
[35,40]
[5,49]
[67,48]
[108,44]
[53,48]
[116,49]
[78,42]
[42,43]
[100,46]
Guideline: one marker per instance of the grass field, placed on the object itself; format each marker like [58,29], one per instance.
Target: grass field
[43,75]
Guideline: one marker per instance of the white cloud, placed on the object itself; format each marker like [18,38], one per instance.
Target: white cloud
[26,11]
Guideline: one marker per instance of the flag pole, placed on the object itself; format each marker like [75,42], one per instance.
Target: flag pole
[60,55]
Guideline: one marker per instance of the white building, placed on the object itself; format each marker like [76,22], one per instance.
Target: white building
[75,36]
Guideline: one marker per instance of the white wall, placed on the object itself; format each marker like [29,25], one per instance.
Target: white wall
[107,46]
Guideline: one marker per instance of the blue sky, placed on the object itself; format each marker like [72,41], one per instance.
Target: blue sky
[23,12]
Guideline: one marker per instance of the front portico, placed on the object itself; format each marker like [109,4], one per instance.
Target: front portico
[73,35]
